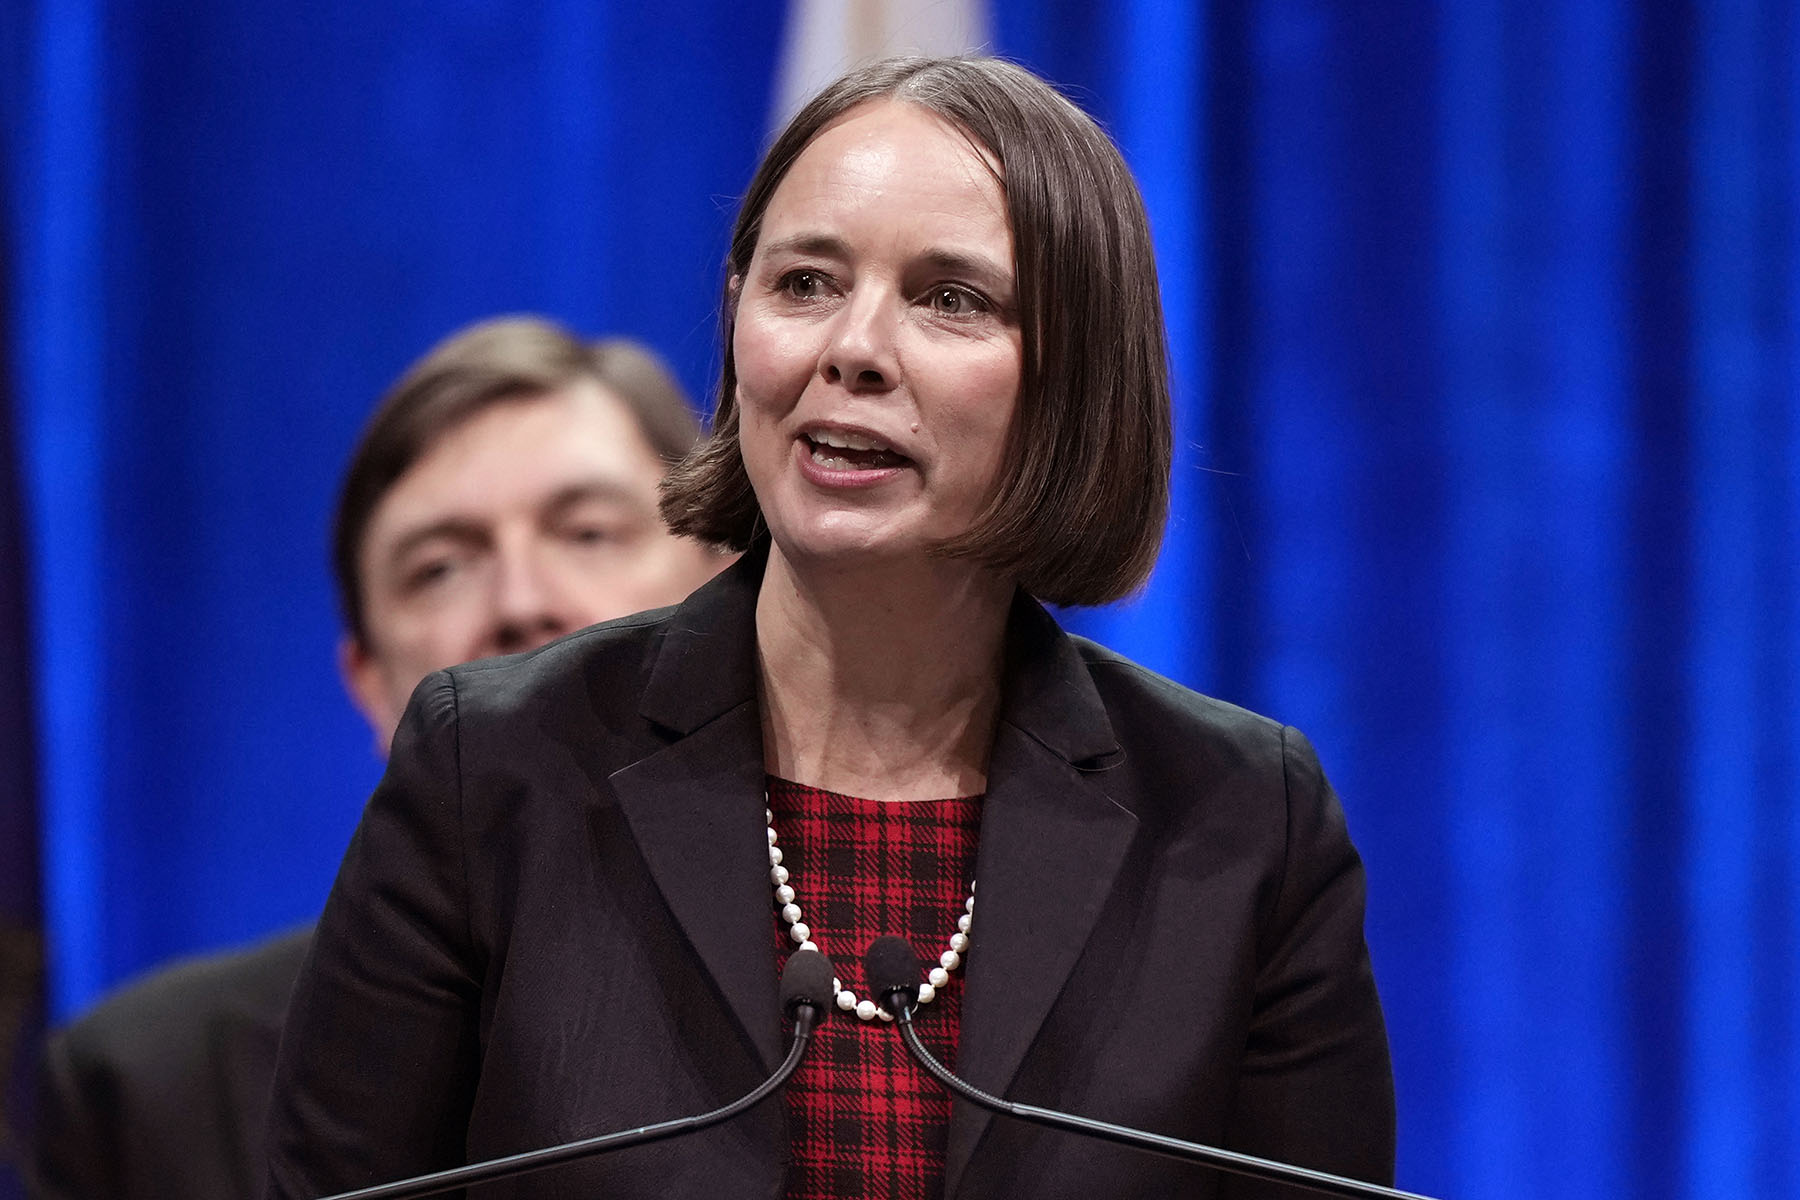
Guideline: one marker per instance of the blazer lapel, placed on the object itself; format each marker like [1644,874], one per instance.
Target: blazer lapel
[695,807]
[1052,836]
[696,811]
[1052,842]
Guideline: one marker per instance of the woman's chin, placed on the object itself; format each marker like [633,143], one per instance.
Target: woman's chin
[850,538]
[845,546]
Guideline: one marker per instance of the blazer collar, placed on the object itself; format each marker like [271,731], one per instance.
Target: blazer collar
[706,665]
[1053,833]
[695,806]
[1049,695]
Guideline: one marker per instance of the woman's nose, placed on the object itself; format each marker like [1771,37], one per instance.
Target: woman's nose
[860,352]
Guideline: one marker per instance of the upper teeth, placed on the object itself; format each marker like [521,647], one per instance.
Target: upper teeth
[847,441]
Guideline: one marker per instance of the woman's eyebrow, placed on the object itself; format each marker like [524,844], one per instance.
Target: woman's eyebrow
[955,262]
[821,244]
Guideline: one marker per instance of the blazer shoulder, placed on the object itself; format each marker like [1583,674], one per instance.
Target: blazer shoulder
[1140,698]
[603,665]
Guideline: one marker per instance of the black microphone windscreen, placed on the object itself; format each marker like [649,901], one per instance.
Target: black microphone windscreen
[806,979]
[890,965]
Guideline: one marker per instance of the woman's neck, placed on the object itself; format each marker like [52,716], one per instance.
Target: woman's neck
[881,682]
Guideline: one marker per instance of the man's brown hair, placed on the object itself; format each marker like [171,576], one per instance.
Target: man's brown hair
[1078,511]
[506,358]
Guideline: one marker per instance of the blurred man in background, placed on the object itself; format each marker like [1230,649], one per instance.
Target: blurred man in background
[503,494]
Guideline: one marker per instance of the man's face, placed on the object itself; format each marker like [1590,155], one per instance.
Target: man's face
[532,518]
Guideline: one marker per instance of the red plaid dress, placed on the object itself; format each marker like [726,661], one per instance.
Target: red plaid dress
[866,1120]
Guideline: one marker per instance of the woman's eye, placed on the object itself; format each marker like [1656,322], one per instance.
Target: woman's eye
[955,301]
[803,285]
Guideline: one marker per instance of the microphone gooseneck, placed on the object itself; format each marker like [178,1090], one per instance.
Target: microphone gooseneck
[890,978]
[805,996]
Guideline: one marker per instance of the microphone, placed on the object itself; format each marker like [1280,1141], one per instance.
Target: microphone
[806,995]
[891,970]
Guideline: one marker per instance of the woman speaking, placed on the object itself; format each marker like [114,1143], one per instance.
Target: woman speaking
[944,402]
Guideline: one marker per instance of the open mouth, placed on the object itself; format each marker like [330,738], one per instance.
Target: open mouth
[837,451]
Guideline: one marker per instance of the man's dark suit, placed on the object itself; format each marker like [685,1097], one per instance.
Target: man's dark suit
[161,1091]
[554,920]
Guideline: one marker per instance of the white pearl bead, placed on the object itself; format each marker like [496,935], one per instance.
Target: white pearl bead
[837,985]
[801,933]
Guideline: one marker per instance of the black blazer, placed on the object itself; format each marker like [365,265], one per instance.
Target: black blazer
[160,1091]
[555,919]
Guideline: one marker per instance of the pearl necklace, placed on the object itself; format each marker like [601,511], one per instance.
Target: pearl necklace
[801,933]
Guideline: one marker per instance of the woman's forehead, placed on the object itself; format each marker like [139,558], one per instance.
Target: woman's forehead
[890,156]
[863,127]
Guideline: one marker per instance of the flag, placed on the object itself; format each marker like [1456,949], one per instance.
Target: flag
[826,38]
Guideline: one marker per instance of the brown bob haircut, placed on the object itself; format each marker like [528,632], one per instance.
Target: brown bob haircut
[506,358]
[1078,511]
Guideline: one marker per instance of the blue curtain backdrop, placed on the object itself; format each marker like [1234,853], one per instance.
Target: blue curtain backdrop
[1484,329]
[22,1007]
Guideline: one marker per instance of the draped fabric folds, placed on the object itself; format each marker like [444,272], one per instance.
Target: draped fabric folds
[22,1007]
[1483,324]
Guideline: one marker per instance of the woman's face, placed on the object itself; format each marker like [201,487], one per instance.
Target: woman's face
[877,340]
